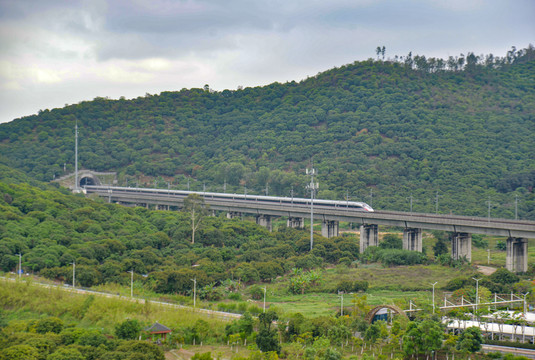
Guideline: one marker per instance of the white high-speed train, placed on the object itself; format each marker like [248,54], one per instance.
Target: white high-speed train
[338,204]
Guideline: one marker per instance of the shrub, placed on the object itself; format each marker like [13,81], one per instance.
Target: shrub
[203,356]
[479,242]
[455,284]
[128,329]
[504,276]
[256,292]
[234,296]
[50,324]
[391,241]
[348,286]
[345,261]
[395,257]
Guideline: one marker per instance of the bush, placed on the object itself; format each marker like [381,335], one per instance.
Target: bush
[396,257]
[456,284]
[348,286]
[391,241]
[503,276]
[345,286]
[50,324]
[256,292]
[479,242]
[234,296]
[128,329]
[203,356]
[360,285]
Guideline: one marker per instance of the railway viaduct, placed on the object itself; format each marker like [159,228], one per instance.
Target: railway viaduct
[517,232]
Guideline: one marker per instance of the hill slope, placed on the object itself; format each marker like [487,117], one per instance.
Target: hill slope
[399,129]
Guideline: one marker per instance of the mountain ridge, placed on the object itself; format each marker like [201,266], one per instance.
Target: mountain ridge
[402,128]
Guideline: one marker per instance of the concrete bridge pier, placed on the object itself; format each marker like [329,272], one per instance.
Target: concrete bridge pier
[295,222]
[265,221]
[461,246]
[234,215]
[368,236]
[516,259]
[412,239]
[329,228]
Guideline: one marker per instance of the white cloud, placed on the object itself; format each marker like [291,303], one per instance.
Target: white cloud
[55,52]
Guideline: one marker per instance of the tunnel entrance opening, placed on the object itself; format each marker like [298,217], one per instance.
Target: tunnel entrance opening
[87,181]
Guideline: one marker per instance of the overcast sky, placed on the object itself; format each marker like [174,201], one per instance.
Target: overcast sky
[57,52]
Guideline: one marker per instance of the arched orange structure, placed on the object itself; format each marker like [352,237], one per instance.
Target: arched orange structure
[371,314]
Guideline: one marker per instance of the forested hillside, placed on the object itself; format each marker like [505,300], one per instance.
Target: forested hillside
[51,229]
[461,128]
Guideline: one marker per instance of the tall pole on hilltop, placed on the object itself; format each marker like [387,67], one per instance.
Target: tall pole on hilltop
[73,273]
[312,187]
[76,156]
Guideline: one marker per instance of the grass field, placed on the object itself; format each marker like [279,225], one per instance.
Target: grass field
[395,286]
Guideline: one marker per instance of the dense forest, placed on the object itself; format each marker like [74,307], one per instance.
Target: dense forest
[452,135]
[52,228]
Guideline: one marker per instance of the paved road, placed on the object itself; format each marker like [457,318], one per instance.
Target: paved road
[530,354]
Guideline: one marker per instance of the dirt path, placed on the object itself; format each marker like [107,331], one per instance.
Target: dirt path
[486,270]
[180,354]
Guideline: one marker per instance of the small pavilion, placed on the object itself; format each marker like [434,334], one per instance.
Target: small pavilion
[157,332]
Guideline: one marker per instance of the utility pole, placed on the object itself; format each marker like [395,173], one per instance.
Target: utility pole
[73,273]
[488,212]
[516,207]
[410,201]
[76,156]
[20,263]
[477,291]
[371,198]
[265,289]
[341,293]
[194,290]
[131,283]
[436,203]
[434,295]
[312,187]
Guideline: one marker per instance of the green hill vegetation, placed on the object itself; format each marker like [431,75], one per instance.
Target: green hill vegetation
[409,126]
[461,128]
[232,262]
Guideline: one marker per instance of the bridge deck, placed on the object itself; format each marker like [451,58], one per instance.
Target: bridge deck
[453,223]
